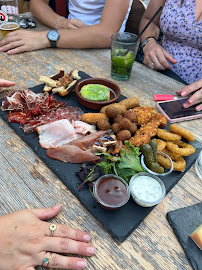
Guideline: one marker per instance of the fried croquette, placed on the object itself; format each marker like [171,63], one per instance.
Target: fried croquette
[130,103]
[93,118]
[121,108]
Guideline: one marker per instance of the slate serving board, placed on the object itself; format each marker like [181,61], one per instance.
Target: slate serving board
[119,223]
[183,222]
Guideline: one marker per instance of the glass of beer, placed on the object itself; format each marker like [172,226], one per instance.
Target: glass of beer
[9,16]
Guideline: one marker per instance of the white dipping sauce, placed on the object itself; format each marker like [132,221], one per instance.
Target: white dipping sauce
[146,188]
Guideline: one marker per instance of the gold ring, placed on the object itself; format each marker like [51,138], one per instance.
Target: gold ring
[52,228]
[46,259]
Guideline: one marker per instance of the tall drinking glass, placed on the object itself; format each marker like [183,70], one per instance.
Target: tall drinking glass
[123,52]
[9,16]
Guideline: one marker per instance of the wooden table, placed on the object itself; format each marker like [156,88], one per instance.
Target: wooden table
[26,182]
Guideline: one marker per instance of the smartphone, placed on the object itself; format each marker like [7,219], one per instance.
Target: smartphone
[175,112]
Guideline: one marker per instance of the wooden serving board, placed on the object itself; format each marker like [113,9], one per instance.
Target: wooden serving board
[119,223]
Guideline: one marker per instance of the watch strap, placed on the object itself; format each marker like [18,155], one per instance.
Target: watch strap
[144,43]
[53,44]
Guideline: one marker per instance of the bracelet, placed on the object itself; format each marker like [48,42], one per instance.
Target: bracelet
[144,43]
[57,21]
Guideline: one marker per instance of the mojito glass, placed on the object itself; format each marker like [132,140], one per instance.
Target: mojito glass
[123,52]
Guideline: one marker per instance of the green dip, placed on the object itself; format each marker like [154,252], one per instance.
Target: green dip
[95,92]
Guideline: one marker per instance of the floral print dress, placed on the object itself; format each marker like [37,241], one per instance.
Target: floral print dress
[182,38]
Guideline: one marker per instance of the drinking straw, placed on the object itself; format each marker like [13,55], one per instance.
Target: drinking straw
[148,23]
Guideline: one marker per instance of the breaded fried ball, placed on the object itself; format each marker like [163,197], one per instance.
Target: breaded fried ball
[131,115]
[115,127]
[123,135]
[111,112]
[124,123]
[103,124]
[118,118]
[133,128]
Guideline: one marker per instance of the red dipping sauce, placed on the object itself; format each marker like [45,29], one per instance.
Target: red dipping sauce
[111,191]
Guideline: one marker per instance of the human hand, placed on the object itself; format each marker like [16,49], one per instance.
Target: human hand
[64,23]
[26,241]
[195,98]
[6,83]
[24,41]
[155,57]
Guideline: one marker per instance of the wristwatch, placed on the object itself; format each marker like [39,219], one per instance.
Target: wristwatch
[53,37]
[144,43]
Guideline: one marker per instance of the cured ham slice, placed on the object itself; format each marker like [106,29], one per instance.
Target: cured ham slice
[70,113]
[55,134]
[32,110]
[83,128]
[88,140]
[77,151]
[14,102]
[71,153]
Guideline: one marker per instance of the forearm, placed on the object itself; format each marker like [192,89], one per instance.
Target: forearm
[40,7]
[94,36]
[154,28]
[151,31]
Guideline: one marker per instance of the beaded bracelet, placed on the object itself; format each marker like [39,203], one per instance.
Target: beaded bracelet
[57,21]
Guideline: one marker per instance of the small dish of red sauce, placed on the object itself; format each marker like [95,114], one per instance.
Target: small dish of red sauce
[111,191]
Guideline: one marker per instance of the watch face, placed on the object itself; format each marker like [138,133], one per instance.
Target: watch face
[53,35]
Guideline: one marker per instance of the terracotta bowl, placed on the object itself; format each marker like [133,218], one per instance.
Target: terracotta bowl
[97,105]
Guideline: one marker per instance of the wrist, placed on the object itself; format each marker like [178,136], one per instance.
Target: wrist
[147,40]
[57,23]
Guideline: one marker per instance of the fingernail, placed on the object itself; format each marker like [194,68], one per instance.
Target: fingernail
[81,264]
[198,108]
[190,101]
[185,105]
[183,93]
[56,206]
[90,250]
[86,237]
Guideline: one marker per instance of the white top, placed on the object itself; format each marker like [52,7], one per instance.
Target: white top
[90,11]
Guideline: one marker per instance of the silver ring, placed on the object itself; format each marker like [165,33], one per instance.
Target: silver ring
[151,65]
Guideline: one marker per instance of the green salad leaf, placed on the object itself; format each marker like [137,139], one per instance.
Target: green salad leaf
[124,166]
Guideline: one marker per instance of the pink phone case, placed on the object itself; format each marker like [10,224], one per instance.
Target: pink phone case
[174,120]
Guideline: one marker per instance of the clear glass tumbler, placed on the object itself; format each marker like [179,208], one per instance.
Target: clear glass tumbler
[123,52]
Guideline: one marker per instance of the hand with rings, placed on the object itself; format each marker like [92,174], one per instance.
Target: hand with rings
[151,65]
[27,241]
[155,57]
